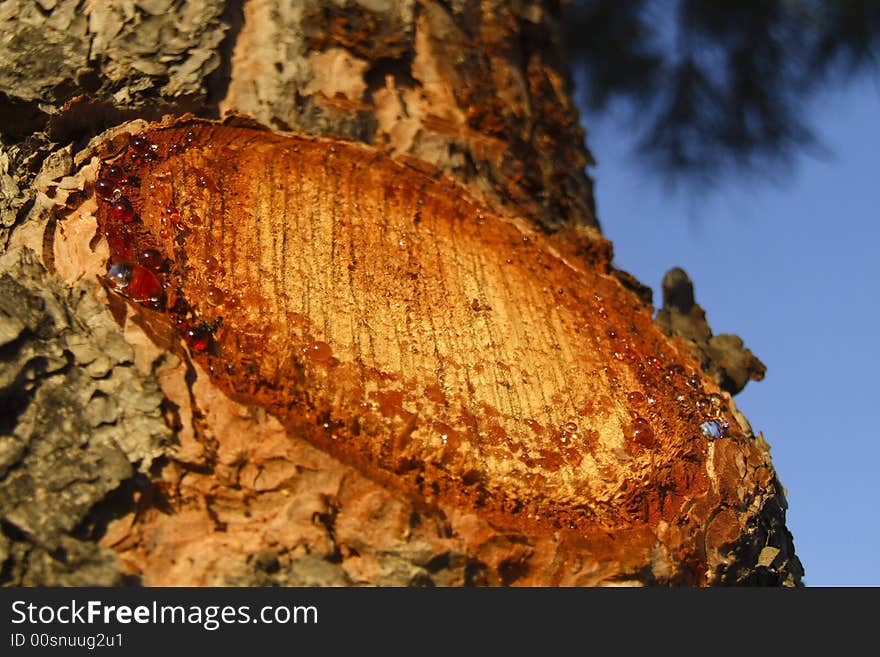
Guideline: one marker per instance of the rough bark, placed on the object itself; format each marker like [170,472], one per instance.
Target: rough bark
[298,458]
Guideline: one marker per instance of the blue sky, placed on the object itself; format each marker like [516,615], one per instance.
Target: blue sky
[792,268]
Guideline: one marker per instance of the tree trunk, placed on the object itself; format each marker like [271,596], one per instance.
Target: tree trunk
[301,293]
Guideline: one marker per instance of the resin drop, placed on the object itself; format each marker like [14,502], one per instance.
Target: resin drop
[119,275]
[636,398]
[643,434]
[714,429]
[122,211]
[121,242]
[144,285]
[136,282]
[106,190]
[173,215]
[695,382]
[115,172]
[319,352]
[151,259]
[215,295]
[141,146]
[198,337]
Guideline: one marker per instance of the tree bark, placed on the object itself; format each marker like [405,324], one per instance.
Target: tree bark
[389,346]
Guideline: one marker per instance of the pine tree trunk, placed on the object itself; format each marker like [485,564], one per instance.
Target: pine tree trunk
[390,348]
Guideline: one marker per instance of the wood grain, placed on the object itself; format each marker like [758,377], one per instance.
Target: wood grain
[453,354]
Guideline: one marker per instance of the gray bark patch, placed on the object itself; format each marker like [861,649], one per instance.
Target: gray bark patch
[77,420]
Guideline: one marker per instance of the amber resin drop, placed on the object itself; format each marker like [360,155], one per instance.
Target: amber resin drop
[122,211]
[136,282]
[151,259]
[107,189]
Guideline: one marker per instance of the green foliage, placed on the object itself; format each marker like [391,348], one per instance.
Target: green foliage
[717,85]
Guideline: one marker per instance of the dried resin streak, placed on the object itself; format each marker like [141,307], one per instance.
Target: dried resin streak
[387,318]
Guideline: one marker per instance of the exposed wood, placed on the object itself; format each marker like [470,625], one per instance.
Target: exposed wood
[393,322]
